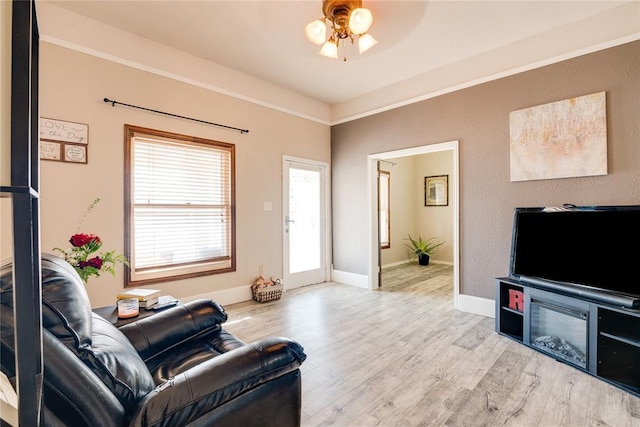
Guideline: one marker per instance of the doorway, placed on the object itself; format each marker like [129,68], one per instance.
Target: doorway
[374,256]
[305,229]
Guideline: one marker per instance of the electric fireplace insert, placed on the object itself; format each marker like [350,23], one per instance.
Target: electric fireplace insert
[560,331]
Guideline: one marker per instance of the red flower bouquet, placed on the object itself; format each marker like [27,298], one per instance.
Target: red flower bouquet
[83,257]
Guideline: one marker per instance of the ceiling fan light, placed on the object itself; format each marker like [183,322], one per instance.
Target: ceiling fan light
[316,32]
[366,42]
[329,49]
[360,20]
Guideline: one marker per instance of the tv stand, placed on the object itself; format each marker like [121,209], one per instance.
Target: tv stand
[602,337]
[587,292]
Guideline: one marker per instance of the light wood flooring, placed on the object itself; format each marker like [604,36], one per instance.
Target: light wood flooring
[402,356]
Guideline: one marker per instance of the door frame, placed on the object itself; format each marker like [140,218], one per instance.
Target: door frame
[327,214]
[372,165]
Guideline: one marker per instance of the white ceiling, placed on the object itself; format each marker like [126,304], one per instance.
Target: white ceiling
[419,41]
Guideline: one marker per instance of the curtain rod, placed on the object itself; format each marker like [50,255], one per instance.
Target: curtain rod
[113,104]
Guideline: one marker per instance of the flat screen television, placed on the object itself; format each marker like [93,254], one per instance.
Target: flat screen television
[591,251]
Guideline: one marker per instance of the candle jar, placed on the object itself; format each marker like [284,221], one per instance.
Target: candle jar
[128,308]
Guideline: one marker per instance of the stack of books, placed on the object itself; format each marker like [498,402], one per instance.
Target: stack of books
[146,297]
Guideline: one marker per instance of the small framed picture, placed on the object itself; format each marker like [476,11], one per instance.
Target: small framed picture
[436,190]
[75,153]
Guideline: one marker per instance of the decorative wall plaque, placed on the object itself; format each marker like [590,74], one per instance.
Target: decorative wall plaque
[63,141]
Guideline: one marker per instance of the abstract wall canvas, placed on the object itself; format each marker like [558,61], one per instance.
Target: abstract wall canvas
[559,140]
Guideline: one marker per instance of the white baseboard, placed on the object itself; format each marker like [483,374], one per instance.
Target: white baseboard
[243,293]
[225,296]
[394,264]
[351,279]
[476,305]
[467,303]
[409,261]
[435,261]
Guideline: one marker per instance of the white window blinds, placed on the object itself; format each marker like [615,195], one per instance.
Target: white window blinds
[181,218]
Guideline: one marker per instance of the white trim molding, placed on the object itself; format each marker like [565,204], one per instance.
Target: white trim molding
[477,305]
[224,296]
[451,146]
[351,279]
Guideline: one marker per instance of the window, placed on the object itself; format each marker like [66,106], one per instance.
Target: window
[384,186]
[179,206]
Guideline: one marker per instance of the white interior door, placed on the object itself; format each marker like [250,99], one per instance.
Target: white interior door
[305,222]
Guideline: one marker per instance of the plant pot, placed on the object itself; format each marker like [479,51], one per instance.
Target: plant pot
[423,259]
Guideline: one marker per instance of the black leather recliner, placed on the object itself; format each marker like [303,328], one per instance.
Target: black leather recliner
[178,367]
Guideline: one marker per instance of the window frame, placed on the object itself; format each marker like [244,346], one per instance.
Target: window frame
[387,244]
[176,271]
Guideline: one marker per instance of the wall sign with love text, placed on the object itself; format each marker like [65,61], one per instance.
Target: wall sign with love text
[63,141]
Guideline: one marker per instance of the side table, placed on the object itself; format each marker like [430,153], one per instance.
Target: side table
[110,313]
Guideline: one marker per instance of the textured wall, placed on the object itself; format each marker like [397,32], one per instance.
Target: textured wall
[479,118]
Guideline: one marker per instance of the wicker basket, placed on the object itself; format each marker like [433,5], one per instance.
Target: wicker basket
[267,293]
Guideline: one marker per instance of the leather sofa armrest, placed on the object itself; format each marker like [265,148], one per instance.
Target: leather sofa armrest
[191,394]
[153,335]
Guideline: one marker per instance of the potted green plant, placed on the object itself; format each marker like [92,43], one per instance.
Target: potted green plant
[423,248]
